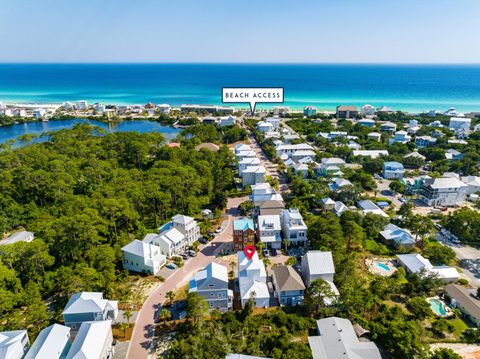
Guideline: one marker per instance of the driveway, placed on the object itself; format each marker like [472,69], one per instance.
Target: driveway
[142,337]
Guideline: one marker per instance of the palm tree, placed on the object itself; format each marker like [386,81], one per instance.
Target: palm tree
[286,243]
[165,315]
[170,296]
[127,315]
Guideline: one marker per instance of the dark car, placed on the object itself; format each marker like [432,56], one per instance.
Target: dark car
[203,240]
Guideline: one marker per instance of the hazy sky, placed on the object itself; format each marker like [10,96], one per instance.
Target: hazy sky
[240,31]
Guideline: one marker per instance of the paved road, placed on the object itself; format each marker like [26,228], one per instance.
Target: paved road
[468,260]
[142,338]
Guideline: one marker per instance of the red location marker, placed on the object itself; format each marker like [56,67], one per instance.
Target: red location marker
[249,251]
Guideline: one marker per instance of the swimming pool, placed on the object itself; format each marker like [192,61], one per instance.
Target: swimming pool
[438,307]
[382,266]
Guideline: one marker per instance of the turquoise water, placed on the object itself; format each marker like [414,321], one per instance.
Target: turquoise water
[382,266]
[405,87]
[437,307]
[38,128]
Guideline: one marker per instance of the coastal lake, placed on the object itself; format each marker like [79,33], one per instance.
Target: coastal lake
[12,132]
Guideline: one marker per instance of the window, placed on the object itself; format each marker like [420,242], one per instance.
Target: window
[220,295]
[212,294]
[211,285]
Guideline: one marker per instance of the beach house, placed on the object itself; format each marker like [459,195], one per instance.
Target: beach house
[337,339]
[269,231]
[294,228]
[264,127]
[87,307]
[346,111]
[244,163]
[393,170]
[367,122]
[21,236]
[252,280]
[212,284]
[460,125]
[397,237]
[288,285]
[262,192]
[443,192]
[13,344]
[142,257]
[425,141]
[53,342]
[388,127]
[370,153]
[464,299]
[367,206]
[416,263]
[375,136]
[94,340]
[253,175]
[309,111]
[400,137]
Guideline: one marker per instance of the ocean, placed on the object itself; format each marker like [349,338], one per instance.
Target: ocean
[412,88]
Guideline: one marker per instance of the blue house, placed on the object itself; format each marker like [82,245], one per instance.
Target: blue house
[289,287]
[88,307]
[392,170]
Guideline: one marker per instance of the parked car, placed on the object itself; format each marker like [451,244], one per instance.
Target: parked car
[184,256]
[266,253]
[191,253]
[203,240]
[218,230]
[171,265]
[273,252]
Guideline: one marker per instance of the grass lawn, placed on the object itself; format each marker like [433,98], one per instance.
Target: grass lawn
[459,325]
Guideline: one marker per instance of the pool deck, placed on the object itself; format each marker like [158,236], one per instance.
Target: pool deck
[448,310]
[373,268]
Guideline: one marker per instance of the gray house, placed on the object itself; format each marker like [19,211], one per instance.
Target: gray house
[337,339]
[212,284]
[88,307]
[288,284]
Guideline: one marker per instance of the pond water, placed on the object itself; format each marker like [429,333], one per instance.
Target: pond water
[11,132]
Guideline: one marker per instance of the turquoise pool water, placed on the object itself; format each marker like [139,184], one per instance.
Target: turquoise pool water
[437,307]
[382,266]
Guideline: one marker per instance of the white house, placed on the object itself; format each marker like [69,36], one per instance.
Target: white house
[22,236]
[212,284]
[370,153]
[263,192]
[293,227]
[227,121]
[253,175]
[337,339]
[301,169]
[88,306]
[142,257]
[240,155]
[397,236]
[81,105]
[53,342]
[241,147]
[264,127]
[416,263]
[252,280]
[400,137]
[269,231]
[274,121]
[392,170]
[175,236]
[94,340]
[443,192]
[247,162]
[374,136]
[290,150]
[460,125]
[367,206]
[368,110]
[319,265]
[473,184]
[164,108]
[338,183]
[13,344]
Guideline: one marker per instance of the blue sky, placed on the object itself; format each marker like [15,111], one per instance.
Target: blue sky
[364,31]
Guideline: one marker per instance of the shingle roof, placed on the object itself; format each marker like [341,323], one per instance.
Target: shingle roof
[287,278]
[464,297]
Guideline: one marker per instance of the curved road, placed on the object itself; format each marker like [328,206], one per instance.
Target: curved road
[143,331]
